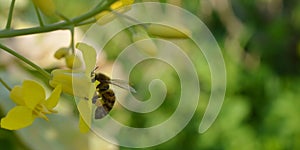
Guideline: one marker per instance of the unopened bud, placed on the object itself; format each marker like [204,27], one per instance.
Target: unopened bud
[73,61]
[168,32]
[104,17]
[127,2]
[62,52]
[118,6]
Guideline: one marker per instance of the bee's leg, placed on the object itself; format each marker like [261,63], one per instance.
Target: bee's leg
[95,97]
[93,80]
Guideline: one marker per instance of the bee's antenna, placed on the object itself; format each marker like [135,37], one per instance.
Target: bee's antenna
[93,73]
[96,68]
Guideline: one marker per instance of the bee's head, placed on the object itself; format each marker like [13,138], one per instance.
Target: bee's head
[102,77]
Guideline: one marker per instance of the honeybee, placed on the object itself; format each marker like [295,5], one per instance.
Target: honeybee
[104,98]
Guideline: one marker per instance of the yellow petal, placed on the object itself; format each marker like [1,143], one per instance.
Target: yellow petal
[61,52]
[89,56]
[54,97]
[116,5]
[73,82]
[85,112]
[73,61]
[33,93]
[127,2]
[17,96]
[63,77]
[83,127]
[17,118]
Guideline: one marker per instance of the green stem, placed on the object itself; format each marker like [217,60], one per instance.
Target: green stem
[93,20]
[39,16]
[57,26]
[72,44]
[11,9]
[5,85]
[39,69]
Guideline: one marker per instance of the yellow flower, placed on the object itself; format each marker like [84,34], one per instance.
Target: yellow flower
[79,84]
[118,6]
[31,104]
[76,83]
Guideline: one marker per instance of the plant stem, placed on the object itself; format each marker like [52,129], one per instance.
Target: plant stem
[5,85]
[72,45]
[60,25]
[93,20]
[11,9]
[39,69]
[39,16]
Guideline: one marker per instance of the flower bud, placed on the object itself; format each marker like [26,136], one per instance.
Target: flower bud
[73,61]
[46,6]
[104,17]
[127,2]
[118,6]
[62,52]
[168,32]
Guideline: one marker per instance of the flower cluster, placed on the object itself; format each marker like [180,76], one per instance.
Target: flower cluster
[30,97]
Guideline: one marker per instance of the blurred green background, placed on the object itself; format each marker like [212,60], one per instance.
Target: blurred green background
[260,41]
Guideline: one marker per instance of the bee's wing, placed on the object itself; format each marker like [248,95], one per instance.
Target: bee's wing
[100,112]
[122,84]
